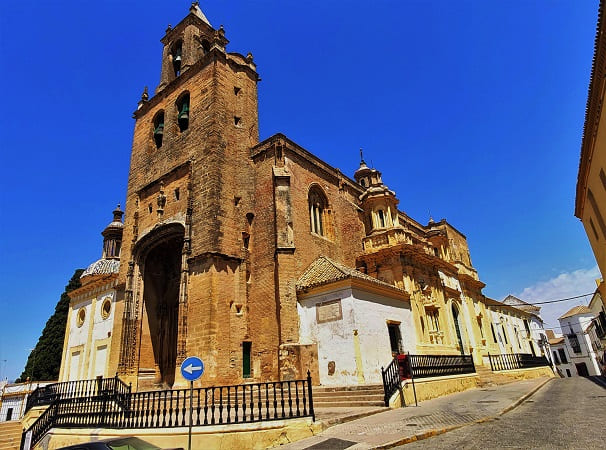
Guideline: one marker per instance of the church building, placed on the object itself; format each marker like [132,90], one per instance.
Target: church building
[257,256]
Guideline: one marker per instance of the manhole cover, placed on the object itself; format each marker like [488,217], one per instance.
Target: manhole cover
[332,444]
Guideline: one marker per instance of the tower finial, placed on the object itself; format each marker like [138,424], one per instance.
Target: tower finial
[118,213]
[361,156]
[144,98]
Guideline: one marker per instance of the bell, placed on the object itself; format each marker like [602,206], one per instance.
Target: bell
[177,58]
[159,130]
[184,114]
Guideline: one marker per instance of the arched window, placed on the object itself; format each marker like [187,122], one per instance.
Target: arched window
[381,216]
[183,111]
[159,128]
[318,206]
[176,55]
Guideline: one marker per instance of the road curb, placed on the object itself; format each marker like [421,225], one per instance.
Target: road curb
[437,431]
[523,398]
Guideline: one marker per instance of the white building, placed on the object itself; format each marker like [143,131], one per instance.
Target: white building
[534,327]
[13,397]
[580,342]
[517,327]
[356,321]
[90,317]
[560,356]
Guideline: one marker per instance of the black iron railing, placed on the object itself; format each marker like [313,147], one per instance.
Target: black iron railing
[515,361]
[168,409]
[424,366]
[45,395]
[391,379]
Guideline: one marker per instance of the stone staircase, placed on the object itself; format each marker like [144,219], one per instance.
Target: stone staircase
[10,435]
[348,396]
[489,378]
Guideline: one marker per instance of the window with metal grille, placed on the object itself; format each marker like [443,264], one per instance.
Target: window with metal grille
[555,357]
[563,356]
[574,343]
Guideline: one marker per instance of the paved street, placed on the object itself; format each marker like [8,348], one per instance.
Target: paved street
[386,429]
[567,413]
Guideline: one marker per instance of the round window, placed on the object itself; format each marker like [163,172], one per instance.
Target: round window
[81,317]
[106,308]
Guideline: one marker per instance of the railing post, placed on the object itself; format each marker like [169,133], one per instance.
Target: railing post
[412,379]
[384,387]
[311,398]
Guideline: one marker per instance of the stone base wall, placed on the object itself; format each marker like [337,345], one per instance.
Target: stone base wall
[32,415]
[250,436]
[527,374]
[428,388]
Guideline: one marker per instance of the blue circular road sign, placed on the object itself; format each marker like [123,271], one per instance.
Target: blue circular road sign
[192,368]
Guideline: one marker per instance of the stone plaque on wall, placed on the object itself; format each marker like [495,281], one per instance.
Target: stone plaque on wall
[329,311]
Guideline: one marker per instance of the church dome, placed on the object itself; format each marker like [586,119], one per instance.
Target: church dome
[102,267]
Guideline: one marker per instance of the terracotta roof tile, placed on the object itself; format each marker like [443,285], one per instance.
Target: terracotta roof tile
[324,271]
[576,310]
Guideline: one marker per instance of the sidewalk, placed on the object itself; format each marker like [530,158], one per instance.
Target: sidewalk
[431,417]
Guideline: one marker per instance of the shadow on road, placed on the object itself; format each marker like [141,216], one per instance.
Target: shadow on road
[599,380]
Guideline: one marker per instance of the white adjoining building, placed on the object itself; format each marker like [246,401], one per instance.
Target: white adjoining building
[578,349]
[91,314]
[357,322]
[13,397]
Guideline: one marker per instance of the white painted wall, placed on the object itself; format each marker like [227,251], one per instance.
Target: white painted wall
[365,312]
[515,330]
[16,403]
[562,367]
[580,325]
[15,396]
[82,356]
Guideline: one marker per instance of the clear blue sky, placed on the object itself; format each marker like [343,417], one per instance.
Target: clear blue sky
[472,110]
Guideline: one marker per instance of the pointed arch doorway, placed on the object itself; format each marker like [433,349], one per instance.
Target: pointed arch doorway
[456,316]
[160,259]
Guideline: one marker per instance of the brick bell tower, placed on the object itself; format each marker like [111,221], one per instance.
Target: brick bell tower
[182,265]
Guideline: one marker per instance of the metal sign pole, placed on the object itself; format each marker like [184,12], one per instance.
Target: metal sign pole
[191,412]
[192,368]
[412,378]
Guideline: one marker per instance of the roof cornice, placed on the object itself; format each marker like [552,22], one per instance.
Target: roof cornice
[593,109]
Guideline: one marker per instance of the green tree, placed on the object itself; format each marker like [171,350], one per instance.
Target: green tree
[44,360]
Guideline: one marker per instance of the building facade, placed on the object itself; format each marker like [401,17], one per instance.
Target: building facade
[583,347]
[13,398]
[259,257]
[590,204]
[91,315]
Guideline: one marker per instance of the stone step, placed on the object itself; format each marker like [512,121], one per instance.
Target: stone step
[10,435]
[365,387]
[347,403]
[346,395]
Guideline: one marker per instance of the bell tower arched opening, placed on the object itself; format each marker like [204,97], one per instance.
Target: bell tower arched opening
[160,268]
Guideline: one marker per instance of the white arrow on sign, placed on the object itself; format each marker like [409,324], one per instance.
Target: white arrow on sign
[191,368]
